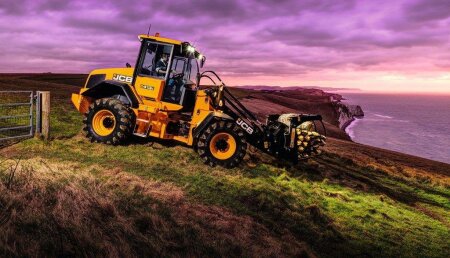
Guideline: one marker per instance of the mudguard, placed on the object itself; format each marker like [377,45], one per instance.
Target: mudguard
[110,88]
[211,116]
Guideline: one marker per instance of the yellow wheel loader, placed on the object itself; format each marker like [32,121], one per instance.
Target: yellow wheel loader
[162,97]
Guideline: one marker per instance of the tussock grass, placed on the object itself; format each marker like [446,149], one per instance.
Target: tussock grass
[61,209]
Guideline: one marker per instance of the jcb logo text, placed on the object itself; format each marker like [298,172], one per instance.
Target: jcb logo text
[122,78]
[244,126]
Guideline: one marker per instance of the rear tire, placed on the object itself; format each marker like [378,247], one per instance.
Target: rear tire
[222,143]
[108,121]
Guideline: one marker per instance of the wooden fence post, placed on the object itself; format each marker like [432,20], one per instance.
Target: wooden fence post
[45,109]
[38,127]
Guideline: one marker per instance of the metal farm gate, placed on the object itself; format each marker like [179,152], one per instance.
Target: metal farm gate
[16,115]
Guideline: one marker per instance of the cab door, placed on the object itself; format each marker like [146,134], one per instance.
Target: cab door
[149,83]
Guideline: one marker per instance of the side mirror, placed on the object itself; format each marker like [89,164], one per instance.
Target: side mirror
[202,61]
[128,65]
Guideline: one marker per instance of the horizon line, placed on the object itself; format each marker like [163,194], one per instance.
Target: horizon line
[324,88]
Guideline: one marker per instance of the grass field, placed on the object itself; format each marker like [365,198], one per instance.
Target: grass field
[70,197]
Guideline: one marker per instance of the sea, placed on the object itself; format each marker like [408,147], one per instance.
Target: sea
[414,124]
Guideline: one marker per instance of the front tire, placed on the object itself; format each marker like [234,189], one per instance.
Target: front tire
[108,121]
[222,143]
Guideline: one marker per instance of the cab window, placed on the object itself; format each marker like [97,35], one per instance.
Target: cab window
[186,67]
[155,60]
[181,66]
[178,65]
[193,66]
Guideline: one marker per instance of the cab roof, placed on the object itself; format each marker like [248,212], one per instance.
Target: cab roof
[156,37]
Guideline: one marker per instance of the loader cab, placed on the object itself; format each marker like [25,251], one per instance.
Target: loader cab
[170,80]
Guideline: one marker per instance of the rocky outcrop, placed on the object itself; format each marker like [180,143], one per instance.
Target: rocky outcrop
[347,113]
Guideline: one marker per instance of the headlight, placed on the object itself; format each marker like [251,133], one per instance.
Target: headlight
[190,49]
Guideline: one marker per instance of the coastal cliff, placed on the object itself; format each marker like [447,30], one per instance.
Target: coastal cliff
[347,113]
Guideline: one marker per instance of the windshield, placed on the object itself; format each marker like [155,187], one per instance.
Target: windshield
[186,66]
[179,65]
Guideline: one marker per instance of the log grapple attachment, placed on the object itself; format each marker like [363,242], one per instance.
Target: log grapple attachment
[294,136]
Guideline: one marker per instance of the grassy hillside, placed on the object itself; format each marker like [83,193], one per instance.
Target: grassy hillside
[70,197]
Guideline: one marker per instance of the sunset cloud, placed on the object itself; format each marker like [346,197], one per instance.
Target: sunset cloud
[283,42]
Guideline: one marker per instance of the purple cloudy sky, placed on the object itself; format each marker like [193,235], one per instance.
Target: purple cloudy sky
[372,45]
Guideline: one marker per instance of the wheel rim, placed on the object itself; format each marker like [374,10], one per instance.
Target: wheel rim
[103,122]
[222,146]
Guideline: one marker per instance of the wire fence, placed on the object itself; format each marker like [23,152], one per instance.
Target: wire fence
[16,115]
